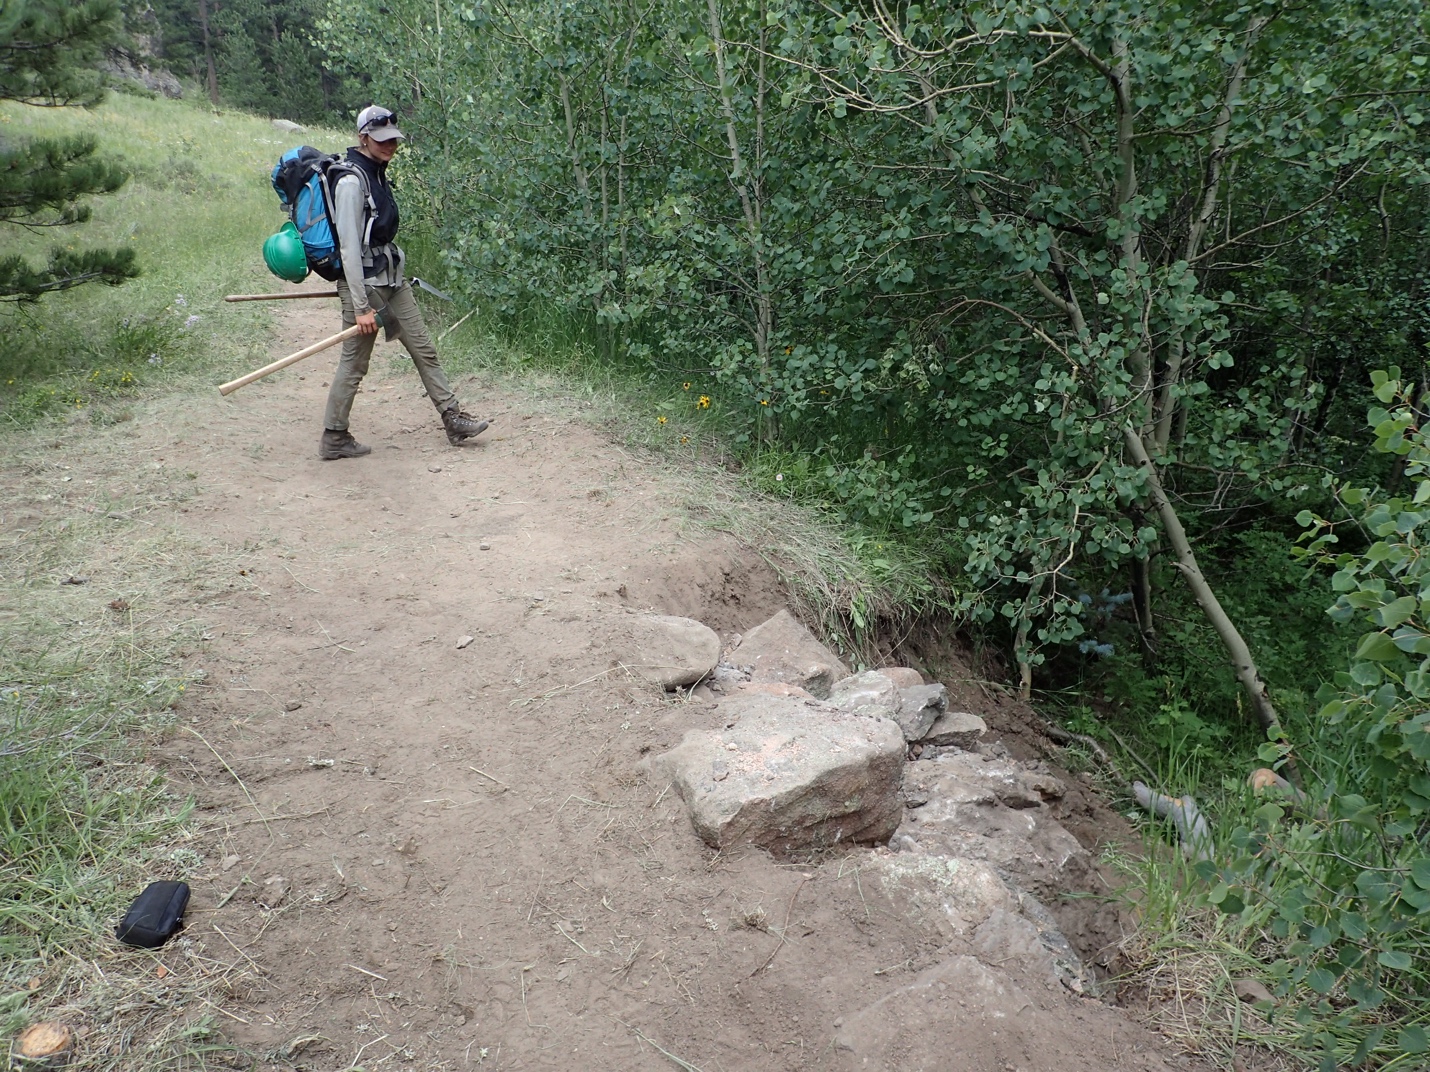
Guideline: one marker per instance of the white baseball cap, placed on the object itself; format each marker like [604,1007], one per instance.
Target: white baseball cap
[378,123]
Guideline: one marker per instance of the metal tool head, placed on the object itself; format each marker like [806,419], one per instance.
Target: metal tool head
[422,284]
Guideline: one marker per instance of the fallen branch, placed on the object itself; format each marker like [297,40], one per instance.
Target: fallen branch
[1192,828]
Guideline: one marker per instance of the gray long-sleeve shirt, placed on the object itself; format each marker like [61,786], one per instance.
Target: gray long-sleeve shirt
[350,209]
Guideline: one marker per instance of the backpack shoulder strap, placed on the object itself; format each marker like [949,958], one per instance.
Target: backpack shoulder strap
[340,168]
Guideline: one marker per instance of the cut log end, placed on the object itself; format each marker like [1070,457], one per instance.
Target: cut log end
[42,1046]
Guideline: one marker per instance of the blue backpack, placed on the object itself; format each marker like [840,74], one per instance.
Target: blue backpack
[304,179]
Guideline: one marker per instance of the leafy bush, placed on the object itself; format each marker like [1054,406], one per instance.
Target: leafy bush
[1342,878]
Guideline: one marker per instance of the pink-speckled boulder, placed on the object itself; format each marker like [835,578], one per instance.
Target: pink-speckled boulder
[789,774]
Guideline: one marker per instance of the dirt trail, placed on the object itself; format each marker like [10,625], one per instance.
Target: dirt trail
[444,858]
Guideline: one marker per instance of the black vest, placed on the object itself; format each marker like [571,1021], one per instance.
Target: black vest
[384,224]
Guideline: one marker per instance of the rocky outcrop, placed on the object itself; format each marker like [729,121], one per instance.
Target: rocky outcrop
[132,67]
[787,774]
[979,807]
[919,708]
[783,650]
[869,693]
[973,1016]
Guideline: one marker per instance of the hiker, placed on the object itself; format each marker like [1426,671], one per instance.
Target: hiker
[366,224]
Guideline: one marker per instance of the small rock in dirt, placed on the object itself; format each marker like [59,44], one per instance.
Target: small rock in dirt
[120,605]
[1251,991]
[902,676]
[228,862]
[464,640]
[919,709]
[75,579]
[667,650]
[43,1045]
[292,705]
[434,468]
[727,676]
[702,693]
[275,889]
[782,649]
[484,546]
[797,777]
[958,729]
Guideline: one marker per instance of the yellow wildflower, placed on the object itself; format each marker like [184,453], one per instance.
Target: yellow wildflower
[660,420]
[704,402]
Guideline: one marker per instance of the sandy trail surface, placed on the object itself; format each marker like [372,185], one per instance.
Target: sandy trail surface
[433,856]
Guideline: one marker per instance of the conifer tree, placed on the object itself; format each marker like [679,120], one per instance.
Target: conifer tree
[49,51]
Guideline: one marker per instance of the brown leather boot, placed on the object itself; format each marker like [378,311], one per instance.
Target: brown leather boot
[340,445]
[461,426]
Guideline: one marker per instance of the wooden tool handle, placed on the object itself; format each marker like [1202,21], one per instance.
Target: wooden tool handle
[284,362]
[282,297]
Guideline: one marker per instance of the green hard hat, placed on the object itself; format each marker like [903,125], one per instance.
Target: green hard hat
[283,253]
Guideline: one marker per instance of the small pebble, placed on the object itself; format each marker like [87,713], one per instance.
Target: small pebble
[229,861]
[434,468]
[292,705]
[463,641]
[484,546]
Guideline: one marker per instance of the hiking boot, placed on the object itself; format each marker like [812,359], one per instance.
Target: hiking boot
[461,426]
[340,445]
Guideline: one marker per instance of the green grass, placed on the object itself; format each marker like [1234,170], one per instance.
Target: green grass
[196,212]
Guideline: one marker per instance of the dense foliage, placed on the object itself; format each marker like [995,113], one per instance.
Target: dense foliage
[258,55]
[1062,292]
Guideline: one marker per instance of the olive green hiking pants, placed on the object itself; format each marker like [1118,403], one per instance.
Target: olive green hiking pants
[400,309]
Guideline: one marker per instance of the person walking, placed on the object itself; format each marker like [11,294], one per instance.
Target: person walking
[365,216]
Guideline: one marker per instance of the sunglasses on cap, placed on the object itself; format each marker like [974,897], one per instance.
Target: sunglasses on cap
[388,120]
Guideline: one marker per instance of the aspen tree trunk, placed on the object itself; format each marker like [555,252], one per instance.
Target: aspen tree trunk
[750,204]
[208,51]
[1236,648]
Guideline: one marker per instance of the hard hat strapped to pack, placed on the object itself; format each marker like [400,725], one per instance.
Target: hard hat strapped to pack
[304,179]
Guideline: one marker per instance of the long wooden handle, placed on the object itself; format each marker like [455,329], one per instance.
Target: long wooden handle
[284,362]
[282,297]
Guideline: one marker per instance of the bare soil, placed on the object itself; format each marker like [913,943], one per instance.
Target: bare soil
[443,857]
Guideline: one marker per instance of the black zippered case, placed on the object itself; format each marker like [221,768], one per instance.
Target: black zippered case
[155,915]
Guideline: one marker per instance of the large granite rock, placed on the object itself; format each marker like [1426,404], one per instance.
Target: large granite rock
[958,729]
[919,708]
[869,693]
[782,649]
[968,1016]
[668,651]
[992,811]
[788,774]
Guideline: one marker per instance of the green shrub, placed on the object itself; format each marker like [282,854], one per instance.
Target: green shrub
[1342,879]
